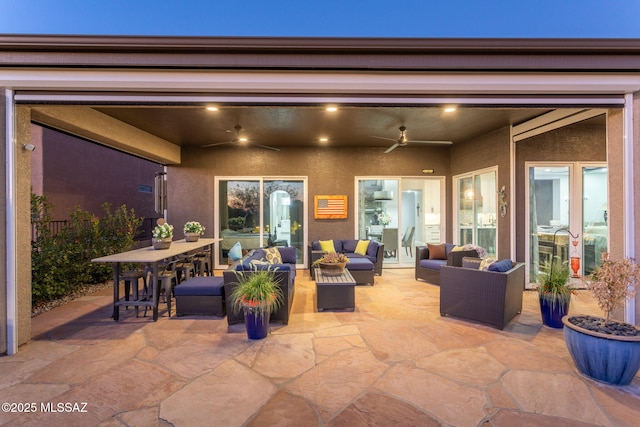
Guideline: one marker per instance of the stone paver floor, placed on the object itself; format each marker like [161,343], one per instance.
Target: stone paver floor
[394,361]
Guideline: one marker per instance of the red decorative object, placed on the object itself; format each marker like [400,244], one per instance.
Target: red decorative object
[575,266]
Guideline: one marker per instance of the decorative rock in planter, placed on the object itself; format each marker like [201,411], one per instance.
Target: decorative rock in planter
[609,356]
[161,243]
[191,237]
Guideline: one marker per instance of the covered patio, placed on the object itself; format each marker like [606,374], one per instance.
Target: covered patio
[394,360]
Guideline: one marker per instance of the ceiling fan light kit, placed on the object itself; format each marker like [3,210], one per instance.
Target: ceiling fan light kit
[240,140]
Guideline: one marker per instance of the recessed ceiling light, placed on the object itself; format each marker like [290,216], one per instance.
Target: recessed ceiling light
[450,109]
[323,139]
[332,109]
[243,139]
[212,108]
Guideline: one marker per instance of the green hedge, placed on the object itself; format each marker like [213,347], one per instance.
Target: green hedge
[61,263]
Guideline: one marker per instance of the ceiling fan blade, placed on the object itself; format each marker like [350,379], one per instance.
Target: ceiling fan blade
[217,143]
[382,137]
[393,147]
[431,142]
[267,147]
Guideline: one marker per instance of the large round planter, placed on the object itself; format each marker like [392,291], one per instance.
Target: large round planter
[552,312]
[332,269]
[161,243]
[256,323]
[610,359]
[191,237]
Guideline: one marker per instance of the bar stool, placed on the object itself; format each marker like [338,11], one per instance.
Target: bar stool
[185,268]
[132,278]
[201,263]
[166,280]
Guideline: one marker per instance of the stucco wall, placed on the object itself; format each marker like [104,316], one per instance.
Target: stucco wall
[329,171]
[489,150]
[584,141]
[76,172]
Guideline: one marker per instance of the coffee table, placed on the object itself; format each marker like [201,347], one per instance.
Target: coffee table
[335,292]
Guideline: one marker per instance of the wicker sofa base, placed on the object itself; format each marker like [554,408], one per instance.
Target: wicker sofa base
[486,297]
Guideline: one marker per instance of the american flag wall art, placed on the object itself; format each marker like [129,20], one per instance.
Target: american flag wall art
[330,207]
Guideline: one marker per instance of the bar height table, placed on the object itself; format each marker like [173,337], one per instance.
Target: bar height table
[149,256]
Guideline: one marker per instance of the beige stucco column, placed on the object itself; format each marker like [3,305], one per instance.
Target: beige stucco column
[23,223]
[3,220]
[636,184]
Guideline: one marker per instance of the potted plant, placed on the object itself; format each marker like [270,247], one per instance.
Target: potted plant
[332,263]
[603,349]
[258,294]
[554,293]
[162,234]
[192,231]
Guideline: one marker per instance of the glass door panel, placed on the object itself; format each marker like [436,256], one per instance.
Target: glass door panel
[239,216]
[595,225]
[549,216]
[402,219]
[283,214]
[477,207]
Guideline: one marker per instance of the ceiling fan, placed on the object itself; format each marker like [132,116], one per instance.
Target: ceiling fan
[240,139]
[403,140]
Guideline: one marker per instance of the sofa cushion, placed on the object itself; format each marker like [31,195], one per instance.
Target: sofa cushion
[433,264]
[327,246]
[361,247]
[372,250]
[359,264]
[485,263]
[501,266]
[235,253]
[349,246]
[288,254]
[436,251]
[448,247]
[272,255]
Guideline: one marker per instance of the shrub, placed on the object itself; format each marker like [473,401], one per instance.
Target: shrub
[61,263]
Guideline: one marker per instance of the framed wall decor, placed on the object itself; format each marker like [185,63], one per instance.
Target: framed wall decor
[330,207]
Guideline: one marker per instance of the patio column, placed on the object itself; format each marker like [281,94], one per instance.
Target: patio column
[5,98]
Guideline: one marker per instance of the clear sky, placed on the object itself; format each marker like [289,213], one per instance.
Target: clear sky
[326,18]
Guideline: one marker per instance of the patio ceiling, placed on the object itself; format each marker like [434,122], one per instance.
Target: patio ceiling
[293,125]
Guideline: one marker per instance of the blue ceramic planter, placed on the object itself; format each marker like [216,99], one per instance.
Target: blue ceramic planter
[553,312]
[606,358]
[257,325]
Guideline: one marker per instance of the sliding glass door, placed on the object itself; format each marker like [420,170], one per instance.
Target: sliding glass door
[402,213]
[567,215]
[260,212]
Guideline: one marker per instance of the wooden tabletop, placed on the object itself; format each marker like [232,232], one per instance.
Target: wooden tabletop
[149,254]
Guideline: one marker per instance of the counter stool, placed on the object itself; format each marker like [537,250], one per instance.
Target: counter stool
[132,278]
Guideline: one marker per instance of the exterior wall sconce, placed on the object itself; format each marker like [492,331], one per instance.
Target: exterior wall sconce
[29,147]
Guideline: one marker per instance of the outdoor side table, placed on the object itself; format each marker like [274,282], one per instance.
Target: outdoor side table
[335,292]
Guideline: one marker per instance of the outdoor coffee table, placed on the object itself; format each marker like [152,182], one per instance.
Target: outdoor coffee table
[335,292]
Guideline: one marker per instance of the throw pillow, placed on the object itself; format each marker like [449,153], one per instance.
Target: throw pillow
[457,249]
[272,255]
[327,246]
[361,247]
[486,262]
[470,262]
[436,251]
[235,253]
[501,266]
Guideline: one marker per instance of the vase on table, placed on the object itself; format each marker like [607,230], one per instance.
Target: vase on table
[160,244]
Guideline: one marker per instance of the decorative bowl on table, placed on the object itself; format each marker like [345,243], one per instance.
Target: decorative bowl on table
[332,268]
